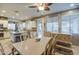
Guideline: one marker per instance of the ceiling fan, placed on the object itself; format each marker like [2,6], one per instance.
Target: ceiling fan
[41,6]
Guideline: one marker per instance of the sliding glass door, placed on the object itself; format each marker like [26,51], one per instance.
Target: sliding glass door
[69,24]
[52,24]
[75,29]
[11,26]
[75,24]
[65,25]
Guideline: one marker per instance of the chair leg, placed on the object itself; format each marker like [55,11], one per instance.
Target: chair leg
[13,50]
[54,51]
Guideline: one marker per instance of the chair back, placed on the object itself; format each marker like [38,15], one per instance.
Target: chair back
[50,46]
[47,34]
[1,49]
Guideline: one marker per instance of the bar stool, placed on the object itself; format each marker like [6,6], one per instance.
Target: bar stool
[24,36]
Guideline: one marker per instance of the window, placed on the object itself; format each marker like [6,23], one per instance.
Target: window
[65,24]
[49,27]
[11,26]
[69,24]
[39,28]
[21,26]
[55,26]
[52,24]
[24,25]
[75,23]
[30,24]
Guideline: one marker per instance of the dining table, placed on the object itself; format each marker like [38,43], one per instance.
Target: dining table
[32,46]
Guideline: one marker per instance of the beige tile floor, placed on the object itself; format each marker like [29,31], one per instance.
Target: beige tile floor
[75,50]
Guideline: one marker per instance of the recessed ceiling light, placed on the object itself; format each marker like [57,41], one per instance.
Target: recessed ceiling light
[71,5]
[26,17]
[17,14]
[4,11]
[70,12]
[13,17]
[41,8]
[2,15]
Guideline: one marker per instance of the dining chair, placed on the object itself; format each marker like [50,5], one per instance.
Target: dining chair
[7,48]
[14,52]
[1,49]
[47,34]
[50,47]
[54,45]
[28,34]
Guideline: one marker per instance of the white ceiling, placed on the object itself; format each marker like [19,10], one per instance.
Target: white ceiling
[24,11]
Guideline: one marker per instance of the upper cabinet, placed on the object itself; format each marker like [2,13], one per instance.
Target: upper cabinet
[4,22]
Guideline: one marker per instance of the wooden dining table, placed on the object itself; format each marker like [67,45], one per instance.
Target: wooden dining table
[31,46]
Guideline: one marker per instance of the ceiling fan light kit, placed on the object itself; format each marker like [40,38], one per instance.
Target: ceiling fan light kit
[41,6]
